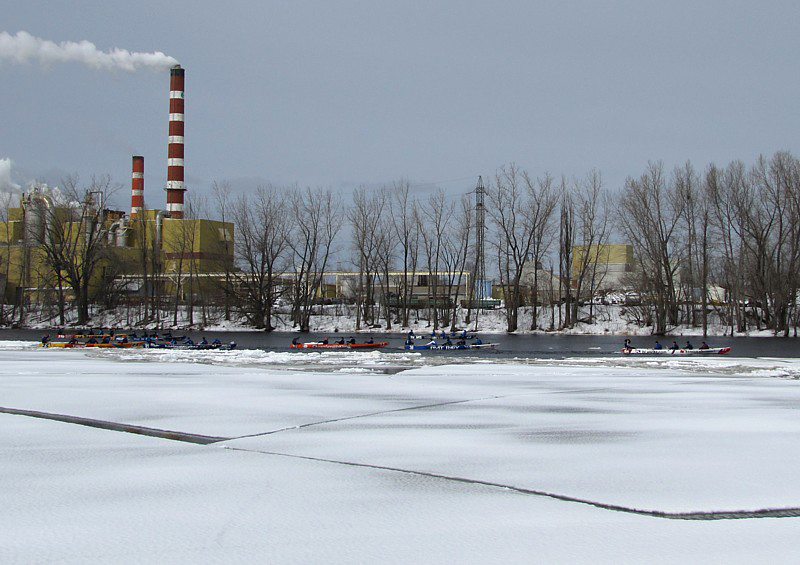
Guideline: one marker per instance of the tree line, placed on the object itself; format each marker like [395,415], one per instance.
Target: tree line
[719,244]
[736,228]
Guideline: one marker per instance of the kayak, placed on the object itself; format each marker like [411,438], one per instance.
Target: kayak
[197,346]
[319,345]
[146,344]
[113,344]
[451,347]
[118,337]
[650,351]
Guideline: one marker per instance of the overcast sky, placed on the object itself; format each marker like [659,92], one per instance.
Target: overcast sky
[342,93]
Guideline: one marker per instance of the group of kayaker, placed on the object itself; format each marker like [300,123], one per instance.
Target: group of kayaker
[445,338]
[463,334]
[341,341]
[448,341]
[132,339]
[673,347]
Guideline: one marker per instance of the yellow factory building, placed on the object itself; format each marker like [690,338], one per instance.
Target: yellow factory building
[147,255]
[610,264]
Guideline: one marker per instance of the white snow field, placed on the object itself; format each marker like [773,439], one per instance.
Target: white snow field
[608,460]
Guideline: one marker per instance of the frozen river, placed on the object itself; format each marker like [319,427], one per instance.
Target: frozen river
[395,457]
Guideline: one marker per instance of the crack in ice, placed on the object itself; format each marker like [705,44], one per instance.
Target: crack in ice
[703,515]
[700,515]
[116,426]
[367,415]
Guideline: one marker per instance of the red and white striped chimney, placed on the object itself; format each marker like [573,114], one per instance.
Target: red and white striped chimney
[175,187]
[137,187]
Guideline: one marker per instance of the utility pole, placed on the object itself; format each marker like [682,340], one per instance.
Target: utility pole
[477,287]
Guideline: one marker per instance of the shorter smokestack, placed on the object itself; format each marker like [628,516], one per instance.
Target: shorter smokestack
[137,187]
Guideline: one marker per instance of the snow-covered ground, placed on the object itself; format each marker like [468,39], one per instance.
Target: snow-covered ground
[580,460]
[608,322]
[609,319]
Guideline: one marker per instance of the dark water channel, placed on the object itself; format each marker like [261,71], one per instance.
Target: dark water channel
[539,346]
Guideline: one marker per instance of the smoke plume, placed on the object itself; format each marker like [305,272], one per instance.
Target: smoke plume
[25,48]
[6,184]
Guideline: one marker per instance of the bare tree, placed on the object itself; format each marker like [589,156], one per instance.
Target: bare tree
[145,252]
[45,233]
[75,238]
[179,247]
[593,227]
[316,217]
[772,240]
[433,220]
[755,219]
[521,210]
[565,256]
[543,200]
[261,248]
[650,214]
[402,215]
[514,235]
[365,218]
[455,250]
[703,245]
[385,255]
[221,193]
[720,187]
[686,183]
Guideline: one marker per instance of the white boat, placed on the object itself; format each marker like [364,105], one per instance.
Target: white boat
[665,351]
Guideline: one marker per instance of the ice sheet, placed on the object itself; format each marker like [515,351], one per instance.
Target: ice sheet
[307,485]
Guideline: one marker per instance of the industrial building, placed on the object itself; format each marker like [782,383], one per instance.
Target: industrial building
[146,252]
[608,266]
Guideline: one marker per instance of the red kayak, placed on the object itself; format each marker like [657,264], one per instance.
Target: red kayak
[319,345]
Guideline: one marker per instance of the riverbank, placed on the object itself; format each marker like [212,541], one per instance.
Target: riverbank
[607,320]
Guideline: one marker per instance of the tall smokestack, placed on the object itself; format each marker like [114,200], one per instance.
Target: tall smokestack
[175,187]
[137,187]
